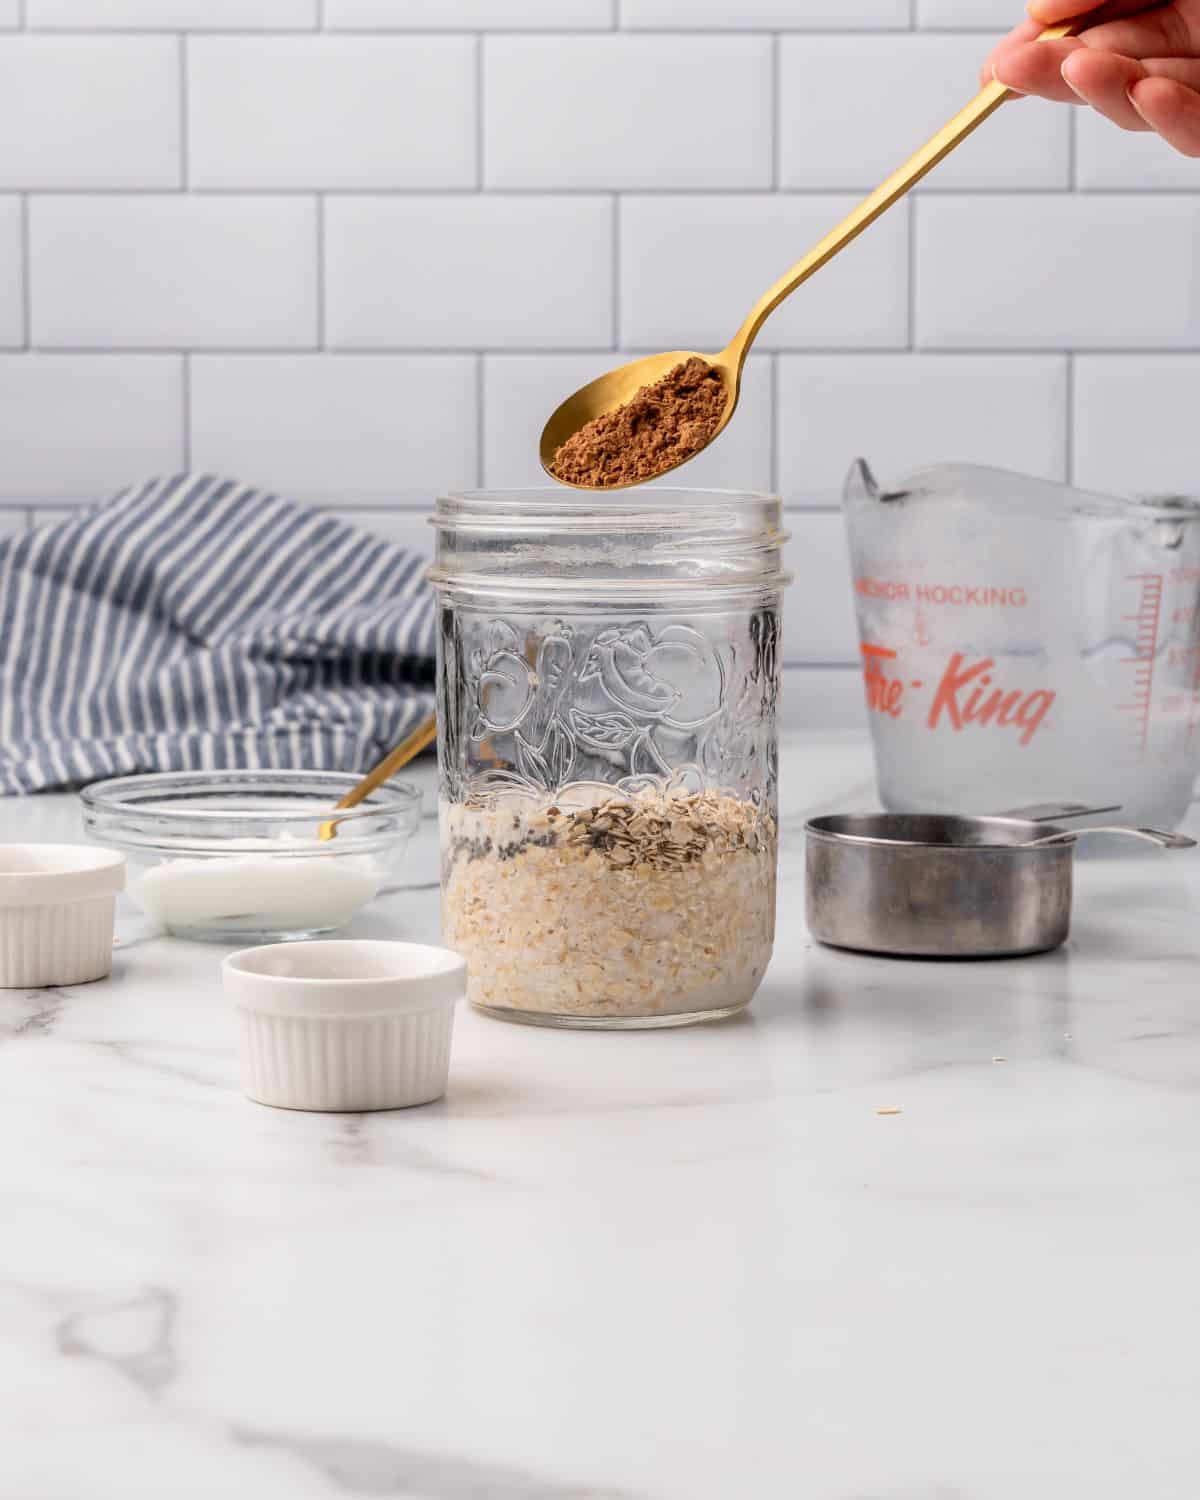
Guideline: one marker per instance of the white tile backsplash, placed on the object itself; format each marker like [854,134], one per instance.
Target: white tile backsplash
[818,610]
[469,15]
[1070,272]
[1135,423]
[192,15]
[963,15]
[904,411]
[627,111]
[12,296]
[1126,159]
[345,427]
[692,267]
[374,242]
[827,139]
[468,272]
[406,528]
[362,112]
[78,426]
[89,112]
[782,15]
[823,698]
[161,271]
[521,390]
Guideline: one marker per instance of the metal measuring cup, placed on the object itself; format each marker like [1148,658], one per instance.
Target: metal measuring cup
[926,885]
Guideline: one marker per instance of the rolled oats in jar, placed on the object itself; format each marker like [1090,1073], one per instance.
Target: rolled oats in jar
[608,678]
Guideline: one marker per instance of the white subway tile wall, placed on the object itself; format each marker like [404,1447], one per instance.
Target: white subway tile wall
[360,112]
[78,426]
[827,140]
[355,250]
[627,111]
[171,15]
[469,15]
[155,271]
[12,275]
[354,427]
[469,271]
[686,262]
[80,112]
[1058,272]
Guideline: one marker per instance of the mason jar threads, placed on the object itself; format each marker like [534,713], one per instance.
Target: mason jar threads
[608,677]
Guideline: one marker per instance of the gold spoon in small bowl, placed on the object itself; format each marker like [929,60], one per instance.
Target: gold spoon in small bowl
[619,386]
[420,739]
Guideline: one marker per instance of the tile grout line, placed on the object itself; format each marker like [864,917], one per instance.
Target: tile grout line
[320,261]
[480,131]
[776,108]
[184,144]
[801,194]
[774,407]
[911,208]
[570,194]
[616,271]
[26,271]
[185,384]
[552,351]
[480,388]
[1069,414]
[1073,150]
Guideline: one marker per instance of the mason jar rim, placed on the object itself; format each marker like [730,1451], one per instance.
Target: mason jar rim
[575,510]
[598,548]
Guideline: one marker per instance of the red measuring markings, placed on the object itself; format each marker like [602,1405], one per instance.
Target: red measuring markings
[1145,651]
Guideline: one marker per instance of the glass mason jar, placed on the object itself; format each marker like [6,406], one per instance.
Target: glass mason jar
[608,673]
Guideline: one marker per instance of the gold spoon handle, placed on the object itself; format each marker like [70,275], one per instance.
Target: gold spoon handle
[406,750]
[986,102]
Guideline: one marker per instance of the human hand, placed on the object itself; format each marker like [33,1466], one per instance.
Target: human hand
[1138,63]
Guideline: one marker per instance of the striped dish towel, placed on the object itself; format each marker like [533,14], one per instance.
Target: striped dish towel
[194,622]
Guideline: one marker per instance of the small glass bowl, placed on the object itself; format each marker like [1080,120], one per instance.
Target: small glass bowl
[235,855]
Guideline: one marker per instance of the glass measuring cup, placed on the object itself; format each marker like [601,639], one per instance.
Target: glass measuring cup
[1023,641]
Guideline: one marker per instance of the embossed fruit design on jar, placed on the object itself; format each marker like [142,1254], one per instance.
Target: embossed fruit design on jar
[608,682]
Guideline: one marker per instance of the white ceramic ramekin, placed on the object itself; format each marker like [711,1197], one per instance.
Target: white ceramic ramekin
[56,913]
[345,1025]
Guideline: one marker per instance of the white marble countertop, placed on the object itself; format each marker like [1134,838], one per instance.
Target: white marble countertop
[681,1264]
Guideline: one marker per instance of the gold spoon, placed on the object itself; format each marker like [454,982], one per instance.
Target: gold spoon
[621,385]
[406,750]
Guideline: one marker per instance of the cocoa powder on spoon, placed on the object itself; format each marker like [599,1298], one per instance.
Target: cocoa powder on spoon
[664,424]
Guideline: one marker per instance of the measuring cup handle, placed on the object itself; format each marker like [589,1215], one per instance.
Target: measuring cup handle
[1150,835]
[1057,812]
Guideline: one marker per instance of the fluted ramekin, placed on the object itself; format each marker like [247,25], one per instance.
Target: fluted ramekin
[345,1025]
[57,903]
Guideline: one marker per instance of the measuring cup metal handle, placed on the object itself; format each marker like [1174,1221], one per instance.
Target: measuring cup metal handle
[1057,812]
[1150,835]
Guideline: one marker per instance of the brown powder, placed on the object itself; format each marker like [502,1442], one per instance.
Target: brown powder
[664,423]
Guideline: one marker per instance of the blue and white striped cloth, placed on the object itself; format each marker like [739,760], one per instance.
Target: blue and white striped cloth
[194,622]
